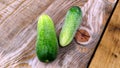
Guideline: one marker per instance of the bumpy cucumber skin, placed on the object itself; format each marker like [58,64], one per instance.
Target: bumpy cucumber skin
[47,44]
[72,21]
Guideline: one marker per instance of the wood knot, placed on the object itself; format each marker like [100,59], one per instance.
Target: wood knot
[82,36]
[115,55]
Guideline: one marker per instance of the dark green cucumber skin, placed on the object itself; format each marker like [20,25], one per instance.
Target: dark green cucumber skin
[47,44]
[72,21]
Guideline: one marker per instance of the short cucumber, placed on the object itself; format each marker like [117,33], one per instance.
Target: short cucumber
[47,44]
[72,21]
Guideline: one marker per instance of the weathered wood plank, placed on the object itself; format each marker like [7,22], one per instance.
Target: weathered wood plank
[18,31]
[108,52]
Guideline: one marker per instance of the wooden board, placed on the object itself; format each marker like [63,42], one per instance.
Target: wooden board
[108,52]
[18,20]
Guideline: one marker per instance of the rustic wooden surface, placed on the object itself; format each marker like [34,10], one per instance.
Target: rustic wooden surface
[18,20]
[108,52]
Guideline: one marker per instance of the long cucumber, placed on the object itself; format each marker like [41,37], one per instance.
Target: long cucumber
[72,21]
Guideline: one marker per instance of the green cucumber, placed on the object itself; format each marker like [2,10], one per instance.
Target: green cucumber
[72,21]
[47,44]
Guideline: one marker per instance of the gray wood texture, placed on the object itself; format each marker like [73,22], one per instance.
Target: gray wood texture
[18,20]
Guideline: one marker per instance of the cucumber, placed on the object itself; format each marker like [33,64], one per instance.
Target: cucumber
[47,44]
[72,21]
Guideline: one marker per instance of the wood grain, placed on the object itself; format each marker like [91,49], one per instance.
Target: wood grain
[18,20]
[108,52]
